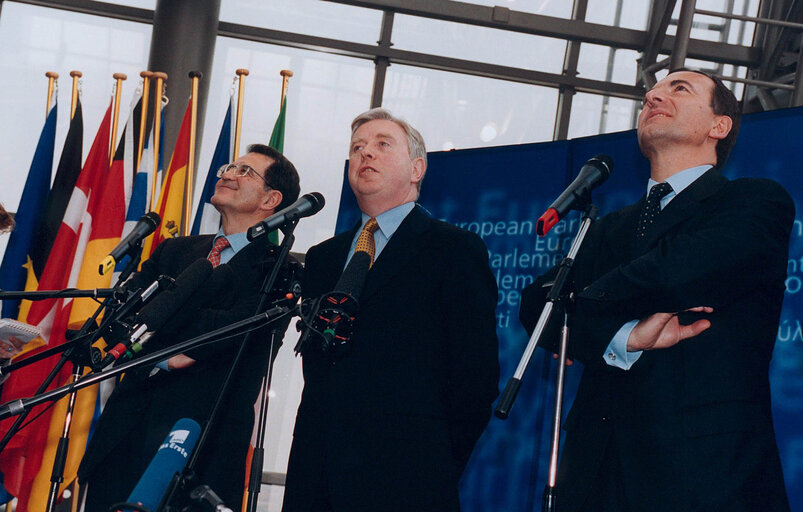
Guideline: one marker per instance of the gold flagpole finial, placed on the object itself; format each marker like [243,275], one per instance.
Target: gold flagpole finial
[118,86]
[195,76]
[52,76]
[286,74]
[160,77]
[143,115]
[74,97]
[238,123]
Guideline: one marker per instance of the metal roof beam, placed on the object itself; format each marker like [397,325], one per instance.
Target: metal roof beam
[559,28]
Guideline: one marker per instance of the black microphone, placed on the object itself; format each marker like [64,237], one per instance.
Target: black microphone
[306,205]
[335,313]
[576,195]
[146,225]
[157,312]
[220,278]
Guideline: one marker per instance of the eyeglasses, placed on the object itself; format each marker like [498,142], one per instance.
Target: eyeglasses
[240,171]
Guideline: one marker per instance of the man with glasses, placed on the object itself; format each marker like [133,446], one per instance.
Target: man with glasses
[148,401]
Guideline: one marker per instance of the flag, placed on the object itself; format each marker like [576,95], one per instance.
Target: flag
[171,198]
[29,214]
[66,175]
[63,184]
[103,222]
[23,457]
[136,192]
[277,143]
[207,218]
[277,137]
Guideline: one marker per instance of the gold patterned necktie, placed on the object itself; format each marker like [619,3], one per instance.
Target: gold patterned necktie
[365,242]
[214,255]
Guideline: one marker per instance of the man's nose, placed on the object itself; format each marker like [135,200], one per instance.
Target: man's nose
[653,96]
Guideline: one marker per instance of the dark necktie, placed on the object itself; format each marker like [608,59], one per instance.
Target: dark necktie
[353,277]
[652,207]
[214,255]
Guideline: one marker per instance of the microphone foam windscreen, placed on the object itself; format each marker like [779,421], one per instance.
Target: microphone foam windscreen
[353,278]
[170,458]
[166,304]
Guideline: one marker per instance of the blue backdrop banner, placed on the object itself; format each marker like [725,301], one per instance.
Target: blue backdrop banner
[499,193]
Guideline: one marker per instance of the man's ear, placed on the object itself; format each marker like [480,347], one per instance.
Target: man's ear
[419,168]
[272,200]
[721,128]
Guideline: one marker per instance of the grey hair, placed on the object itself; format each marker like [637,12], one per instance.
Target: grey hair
[415,142]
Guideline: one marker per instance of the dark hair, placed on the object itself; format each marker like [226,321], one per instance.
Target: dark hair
[281,175]
[6,220]
[723,103]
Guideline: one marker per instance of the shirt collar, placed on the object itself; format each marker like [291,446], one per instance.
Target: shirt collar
[682,179]
[237,240]
[390,220]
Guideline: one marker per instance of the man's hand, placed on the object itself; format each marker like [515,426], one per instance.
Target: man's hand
[663,330]
[11,347]
[179,362]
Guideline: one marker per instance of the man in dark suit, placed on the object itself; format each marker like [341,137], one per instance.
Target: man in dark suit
[676,313]
[390,424]
[148,401]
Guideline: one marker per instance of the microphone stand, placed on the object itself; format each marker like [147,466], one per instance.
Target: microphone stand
[106,293]
[555,297]
[181,483]
[257,458]
[70,349]
[21,405]
[60,459]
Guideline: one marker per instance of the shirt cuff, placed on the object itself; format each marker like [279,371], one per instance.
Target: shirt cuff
[616,353]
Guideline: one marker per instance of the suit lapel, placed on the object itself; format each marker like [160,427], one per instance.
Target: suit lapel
[685,204]
[333,259]
[401,247]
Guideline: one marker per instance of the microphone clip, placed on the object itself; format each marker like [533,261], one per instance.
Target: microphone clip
[330,322]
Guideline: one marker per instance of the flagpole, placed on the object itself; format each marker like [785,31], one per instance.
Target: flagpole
[118,86]
[238,125]
[143,117]
[195,76]
[286,74]
[74,98]
[52,76]
[157,131]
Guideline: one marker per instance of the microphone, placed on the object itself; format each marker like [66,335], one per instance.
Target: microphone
[576,195]
[157,312]
[205,495]
[170,458]
[146,225]
[334,314]
[306,205]
[220,277]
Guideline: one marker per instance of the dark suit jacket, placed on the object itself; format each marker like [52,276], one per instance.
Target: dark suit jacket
[691,424]
[390,426]
[142,409]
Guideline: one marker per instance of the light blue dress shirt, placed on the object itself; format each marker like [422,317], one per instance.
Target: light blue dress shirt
[616,353]
[237,241]
[389,222]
